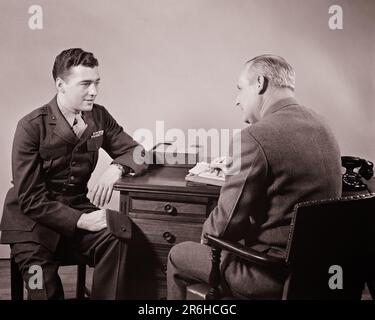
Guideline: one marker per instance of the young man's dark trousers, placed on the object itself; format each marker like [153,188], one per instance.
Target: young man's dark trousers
[102,250]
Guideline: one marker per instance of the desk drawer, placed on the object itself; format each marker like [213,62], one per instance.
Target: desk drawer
[168,233]
[180,207]
[167,207]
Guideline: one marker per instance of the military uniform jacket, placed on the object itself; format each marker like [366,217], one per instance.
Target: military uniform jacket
[48,161]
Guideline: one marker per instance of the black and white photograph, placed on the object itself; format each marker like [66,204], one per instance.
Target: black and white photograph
[175,150]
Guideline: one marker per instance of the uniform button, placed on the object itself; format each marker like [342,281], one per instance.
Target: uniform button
[72,178]
[53,117]
[123,228]
[73,163]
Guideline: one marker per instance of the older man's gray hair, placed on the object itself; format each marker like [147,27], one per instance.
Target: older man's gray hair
[276,69]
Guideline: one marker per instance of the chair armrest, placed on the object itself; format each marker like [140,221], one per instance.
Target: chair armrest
[244,252]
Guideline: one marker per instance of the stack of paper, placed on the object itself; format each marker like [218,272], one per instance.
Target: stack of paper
[202,173]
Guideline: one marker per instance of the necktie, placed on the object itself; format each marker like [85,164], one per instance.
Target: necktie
[78,125]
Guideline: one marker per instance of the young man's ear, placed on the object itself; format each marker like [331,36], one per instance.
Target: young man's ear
[60,85]
[262,84]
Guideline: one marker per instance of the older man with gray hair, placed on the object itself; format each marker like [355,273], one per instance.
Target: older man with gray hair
[288,155]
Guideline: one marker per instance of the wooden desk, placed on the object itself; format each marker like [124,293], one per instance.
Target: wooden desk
[165,210]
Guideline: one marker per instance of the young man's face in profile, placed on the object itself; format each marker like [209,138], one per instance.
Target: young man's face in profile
[80,88]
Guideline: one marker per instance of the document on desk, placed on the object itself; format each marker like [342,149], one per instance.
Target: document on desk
[202,173]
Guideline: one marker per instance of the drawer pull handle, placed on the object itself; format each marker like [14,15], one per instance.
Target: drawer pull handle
[169,237]
[168,208]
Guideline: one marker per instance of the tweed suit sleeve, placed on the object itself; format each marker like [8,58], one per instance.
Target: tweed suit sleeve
[243,195]
[121,147]
[30,186]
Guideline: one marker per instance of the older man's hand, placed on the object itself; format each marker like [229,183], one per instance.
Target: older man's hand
[221,164]
[101,192]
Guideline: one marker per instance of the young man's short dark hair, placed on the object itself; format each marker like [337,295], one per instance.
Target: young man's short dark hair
[71,58]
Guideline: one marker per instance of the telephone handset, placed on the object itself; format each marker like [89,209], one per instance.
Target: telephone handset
[356,169]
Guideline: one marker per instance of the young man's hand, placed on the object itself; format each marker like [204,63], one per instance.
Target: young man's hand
[93,221]
[101,192]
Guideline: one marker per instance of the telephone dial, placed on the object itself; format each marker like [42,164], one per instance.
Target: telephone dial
[356,169]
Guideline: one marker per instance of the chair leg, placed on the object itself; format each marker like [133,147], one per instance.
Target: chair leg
[16,281]
[81,281]
[215,275]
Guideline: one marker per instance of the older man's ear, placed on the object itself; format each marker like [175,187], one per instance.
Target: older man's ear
[262,84]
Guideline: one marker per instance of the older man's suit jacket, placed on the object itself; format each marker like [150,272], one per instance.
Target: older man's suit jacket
[288,157]
[48,161]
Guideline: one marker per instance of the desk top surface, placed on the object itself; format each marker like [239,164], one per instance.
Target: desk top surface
[167,179]
[172,179]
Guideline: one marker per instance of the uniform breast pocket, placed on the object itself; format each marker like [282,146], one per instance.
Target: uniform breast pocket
[94,143]
[51,154]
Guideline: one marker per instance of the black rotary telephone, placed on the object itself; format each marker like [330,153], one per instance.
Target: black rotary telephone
[356,169]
